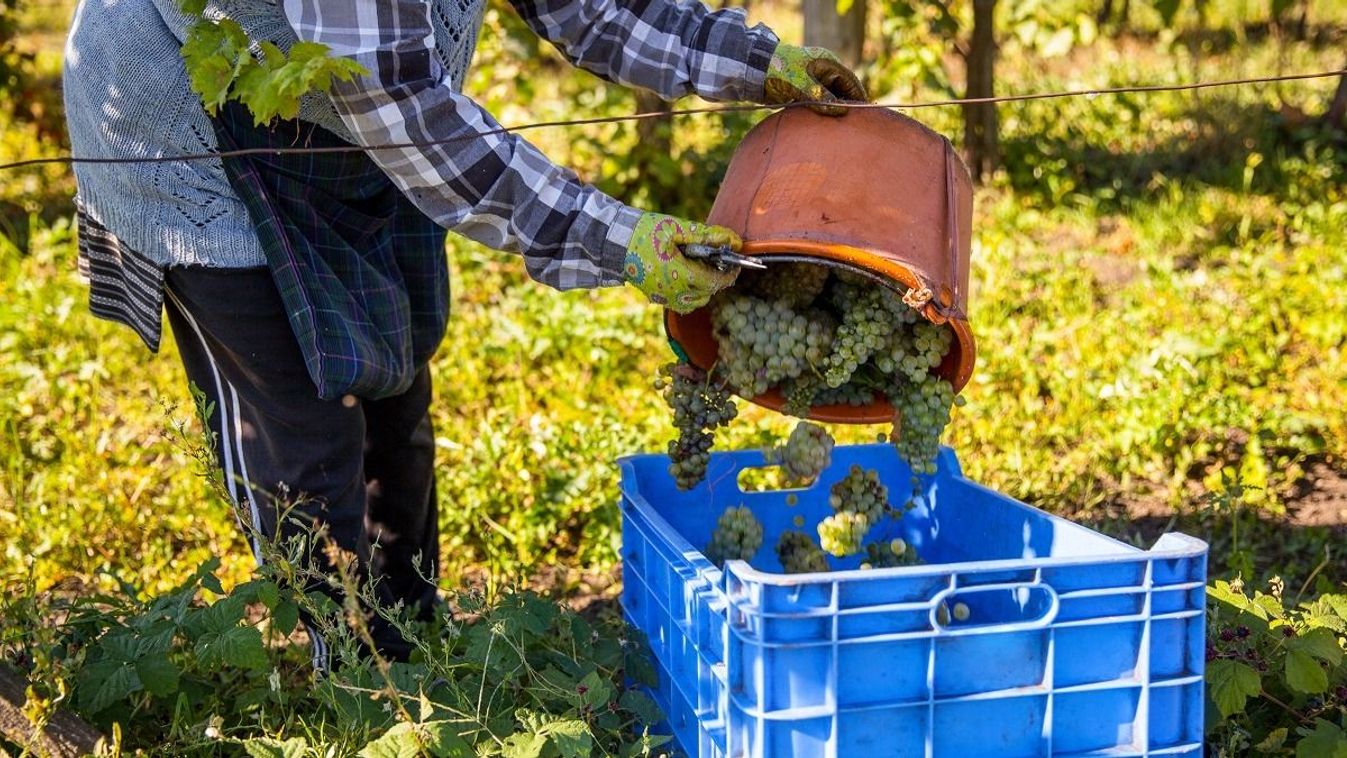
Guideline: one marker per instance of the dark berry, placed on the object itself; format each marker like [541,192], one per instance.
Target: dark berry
[1242,632]
[1227,635]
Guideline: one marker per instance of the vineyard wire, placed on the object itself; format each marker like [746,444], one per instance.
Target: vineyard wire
[1086,93]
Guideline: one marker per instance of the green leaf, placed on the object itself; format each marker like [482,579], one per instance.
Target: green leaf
[593,690]
[263,747]
[285,616]
[640,704]
[1320,643]
[158,674]
[523,746]
[440,739]
[210,72]
[192,7]
[1326,740]
[1304,674]
[398,742]
[843,6]
[443,740]
[105,683]
[156,639]
[268,594]
[1231,684]
[240,647]
[570,737]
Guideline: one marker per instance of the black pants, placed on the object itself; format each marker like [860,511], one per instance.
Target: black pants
[362,468]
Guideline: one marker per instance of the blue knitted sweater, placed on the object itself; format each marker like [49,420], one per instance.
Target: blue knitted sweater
[127,96]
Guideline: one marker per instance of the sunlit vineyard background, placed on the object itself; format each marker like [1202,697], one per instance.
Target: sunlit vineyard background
[1160,295]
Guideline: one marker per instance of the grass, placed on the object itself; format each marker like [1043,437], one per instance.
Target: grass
[1159,294]
[1159,297]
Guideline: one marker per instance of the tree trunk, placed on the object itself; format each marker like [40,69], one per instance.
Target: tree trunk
[981,143]
[842,34]
[1337,111]
[654,145]
[65,735]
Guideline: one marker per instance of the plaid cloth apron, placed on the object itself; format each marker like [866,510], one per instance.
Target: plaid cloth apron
[362,272]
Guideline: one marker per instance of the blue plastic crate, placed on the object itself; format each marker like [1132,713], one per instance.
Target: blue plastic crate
[1076,644]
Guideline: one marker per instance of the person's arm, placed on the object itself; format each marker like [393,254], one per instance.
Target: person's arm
[494,188]
[671,48]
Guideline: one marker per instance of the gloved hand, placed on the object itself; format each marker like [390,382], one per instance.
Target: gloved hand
[656,266]
[798,74]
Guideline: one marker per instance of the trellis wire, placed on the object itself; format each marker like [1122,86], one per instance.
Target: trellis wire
[1088,93]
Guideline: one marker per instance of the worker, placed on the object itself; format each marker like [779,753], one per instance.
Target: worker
[306,293]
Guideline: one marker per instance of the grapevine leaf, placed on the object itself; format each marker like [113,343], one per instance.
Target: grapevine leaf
[1231,684]
[1320,643]
[272,57]
[1304,674]
[262,747]
[234,34]
[256,89]
[1326,740]
[285,617]
[210,78]
[158,674]
[240,646]
[193,7]
[105,683]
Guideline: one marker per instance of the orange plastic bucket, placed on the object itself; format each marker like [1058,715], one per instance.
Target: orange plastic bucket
[873,192]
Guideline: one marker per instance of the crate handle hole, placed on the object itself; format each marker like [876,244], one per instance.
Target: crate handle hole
[1021,605]
[769,478]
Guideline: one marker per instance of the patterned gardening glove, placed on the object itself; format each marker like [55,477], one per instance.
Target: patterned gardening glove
[657,267]
[804,74]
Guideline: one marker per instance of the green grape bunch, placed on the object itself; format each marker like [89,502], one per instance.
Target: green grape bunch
[895,552]
[921,413]
[820,337]
[860,492]
[799,555]
[737,537]
[699,406]
[806,454]
[866,325]
[843,533]
[763,342]
[795,284]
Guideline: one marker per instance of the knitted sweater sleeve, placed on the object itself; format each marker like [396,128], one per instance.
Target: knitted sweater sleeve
[494,188]
[669,47]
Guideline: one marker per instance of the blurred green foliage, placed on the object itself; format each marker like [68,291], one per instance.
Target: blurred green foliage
[1158,296]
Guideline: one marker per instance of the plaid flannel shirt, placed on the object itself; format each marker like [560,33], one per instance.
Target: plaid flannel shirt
[497,188]
[365,318]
